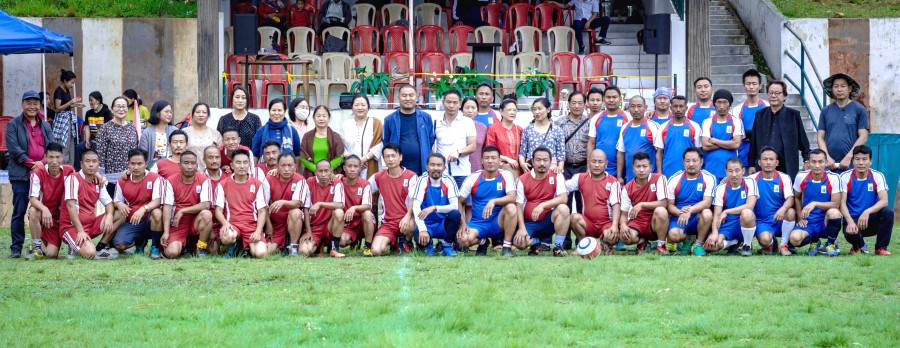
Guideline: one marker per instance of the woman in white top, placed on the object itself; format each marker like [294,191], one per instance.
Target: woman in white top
[199,135]
[362,136]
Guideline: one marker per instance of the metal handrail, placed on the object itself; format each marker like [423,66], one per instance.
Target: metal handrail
[804,78]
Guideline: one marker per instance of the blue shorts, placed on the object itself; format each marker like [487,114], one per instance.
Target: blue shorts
[743,151]
[690,228]
[731,229]
[541,229]
[768,225]
[129,233]
[816,230]
[487,228]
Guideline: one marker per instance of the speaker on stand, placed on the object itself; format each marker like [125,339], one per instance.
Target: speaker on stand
[657,39]
[245,44]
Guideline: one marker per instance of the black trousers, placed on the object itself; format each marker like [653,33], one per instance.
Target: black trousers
[880,225]
[569,170]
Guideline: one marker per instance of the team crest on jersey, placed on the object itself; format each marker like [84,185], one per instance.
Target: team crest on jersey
[653,187]
[619,123]
[699,188]
[491,120]
[499,186]
[728,129]
[608,186]
[198,188]
[712,113]
[294,187]
[551,181]
[643,132]
[871,187]
[743,195]
[359,191]
[687,132]
[97,189]
[252,188]
[405,182]
[331,190]
[149,185]
[824,189]
[776,188]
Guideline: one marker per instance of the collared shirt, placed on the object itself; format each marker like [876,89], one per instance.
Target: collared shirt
[454,137]
[584,8]
[576,147]
[35,143]
[553,139]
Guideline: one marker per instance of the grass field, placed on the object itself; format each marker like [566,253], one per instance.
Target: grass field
[828,8]
[417,301]
[101,8]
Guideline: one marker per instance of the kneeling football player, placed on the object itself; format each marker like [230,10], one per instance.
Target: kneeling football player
[494,210]
[601,194]
[643,198]
[436,207]
[774,209]
[689,193]
[358,216]
[137,198]
[241,207]
[285,215]
[78,222]
[733,218]
[817,199]
[46,197]
[397,225]
[543,195]
[325,220]
[186,203]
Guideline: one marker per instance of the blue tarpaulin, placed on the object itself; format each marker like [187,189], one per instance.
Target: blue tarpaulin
[20,37]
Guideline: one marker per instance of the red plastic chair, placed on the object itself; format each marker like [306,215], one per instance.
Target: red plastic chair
[548,15]
[273,75]
[565,67]
[234,68]
[394,39]
[364,39]
[432,63]
[518,15]
[596,64]
[493,13]
[459,39]
[430,38]
[396,63]
[296,15]
[4,120]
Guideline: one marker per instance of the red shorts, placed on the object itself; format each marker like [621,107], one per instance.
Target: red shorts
[279,230]
[185,227]
[355,227]
[595,228]
[244,231]
[320,233]
[391,230]
[52,236]
[642,226]
[92,228]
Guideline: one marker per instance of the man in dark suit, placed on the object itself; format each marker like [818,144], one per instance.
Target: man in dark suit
[781,128]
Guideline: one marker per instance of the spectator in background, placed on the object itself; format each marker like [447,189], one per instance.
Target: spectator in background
[469,13]
[65,123]
[781,128]
[587,15]
[271,14]
[469,109]
[155,138]
[130,96]
[843,124]
[362,137]
[298,112]
[542,134]
[322,143]
[334,13]
[201,135]
[26,135]
[454,139]
[301,18]
[51,114]
[239,118]
[114,139]
[575,129]
[412,129]
[277,129]
[95,117]
[507,137]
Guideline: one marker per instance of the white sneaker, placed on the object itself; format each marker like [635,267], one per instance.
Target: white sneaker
[107,254]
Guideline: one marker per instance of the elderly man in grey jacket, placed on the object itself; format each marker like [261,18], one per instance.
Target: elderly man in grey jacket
[26,137]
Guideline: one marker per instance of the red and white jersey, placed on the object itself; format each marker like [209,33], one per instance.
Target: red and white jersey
[226,157]
[86,194]
[166,168]
[394,192]
[598,195]
[530,191]
[281,190]
[180,194]
[241,201]
[332,192]
[357,194]
[214,184]
[138,194]
[49,190]
[653,191]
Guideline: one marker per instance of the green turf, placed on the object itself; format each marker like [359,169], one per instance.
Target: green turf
[829,8]
[620,300]
[101,8]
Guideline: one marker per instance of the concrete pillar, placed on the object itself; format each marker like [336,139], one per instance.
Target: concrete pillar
[208,79]
[698,62]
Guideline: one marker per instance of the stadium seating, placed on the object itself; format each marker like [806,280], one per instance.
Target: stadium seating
[459,38]
[391,13]
[340,33]
[561,39]
[431,14]
[365,39]
[234,69]
[337,72]
[394,39]
[273,75]
[301,40]
[397,65]
[494,13]
[596,64]
[565,67]
[519,15]
[365,14]
[269,37]
[429,38]
[548,15]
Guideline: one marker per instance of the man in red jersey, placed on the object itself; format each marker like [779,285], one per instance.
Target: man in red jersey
[46,196]
[231,141]
[394,183]
[241,207]
[186,208]
[601,195]
[212,158]
[642,198]
[271,151]
[285,214]
[78,222]
[325,218]
[544,213]
[168,167]
[358,215]
[137,199]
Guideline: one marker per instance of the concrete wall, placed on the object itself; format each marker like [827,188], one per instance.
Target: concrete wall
[810,30]
[884,81]
[764,22]
[155,57]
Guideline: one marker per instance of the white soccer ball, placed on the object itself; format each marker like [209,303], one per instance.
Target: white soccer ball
[588,248]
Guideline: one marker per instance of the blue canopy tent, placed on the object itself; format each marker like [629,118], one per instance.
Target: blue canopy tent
[20,37]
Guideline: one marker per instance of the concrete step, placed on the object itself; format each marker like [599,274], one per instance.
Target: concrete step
[620,35]
[727,40]
[632,41]
[730,69]
[732,85]
[728,21]
[625,28]
[615,50]
[717,8]
[724,50]
[645,83]
[633,58]
[726,60]
[719,13]
[728,79]
[644,64]
[727,32]
[719,16]
[716,27]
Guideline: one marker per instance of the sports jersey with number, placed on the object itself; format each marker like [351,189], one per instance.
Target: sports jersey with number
[49,190]
[530,191]
[333,191]
[599,195]
[816,191]
[653,191]
[714,161]
[394,192]
[606,130]
[86,194]
[729,197]
[688,192]
[634,139]
[674,139]
[862,194]
[699,114]
[241,201]
[166,168]
[482,190]
[434,194]
[772,194]
[138,194]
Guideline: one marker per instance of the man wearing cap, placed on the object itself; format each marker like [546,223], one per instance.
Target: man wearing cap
[746,111]
[661,101]
[721,135]
[780,128]
[843,124]
[26,135]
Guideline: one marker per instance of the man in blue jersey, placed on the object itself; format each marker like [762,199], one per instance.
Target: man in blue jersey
[733,218]
[703,108]
[864,204]
[746,111]
[436,207]
[494,213]
[817,197]
[689,194]
[774,209]
[604,128]
[484,96]
[721,135]
[675,136]
[639,135]
[662,99]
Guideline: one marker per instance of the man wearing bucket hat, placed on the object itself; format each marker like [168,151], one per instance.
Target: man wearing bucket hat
[661,112]
[843,124]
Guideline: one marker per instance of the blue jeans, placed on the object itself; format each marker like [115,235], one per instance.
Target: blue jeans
[20,205]
[600,22]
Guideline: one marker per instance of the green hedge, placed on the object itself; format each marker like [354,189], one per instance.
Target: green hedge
[101,8]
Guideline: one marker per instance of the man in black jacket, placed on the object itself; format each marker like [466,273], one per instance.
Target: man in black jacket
[781,128]
[26,137]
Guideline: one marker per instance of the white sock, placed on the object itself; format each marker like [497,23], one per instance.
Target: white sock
[729,243]
[748,233]
[786,228]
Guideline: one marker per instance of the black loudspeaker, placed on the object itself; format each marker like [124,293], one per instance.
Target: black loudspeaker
[245,35]
[658,34]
